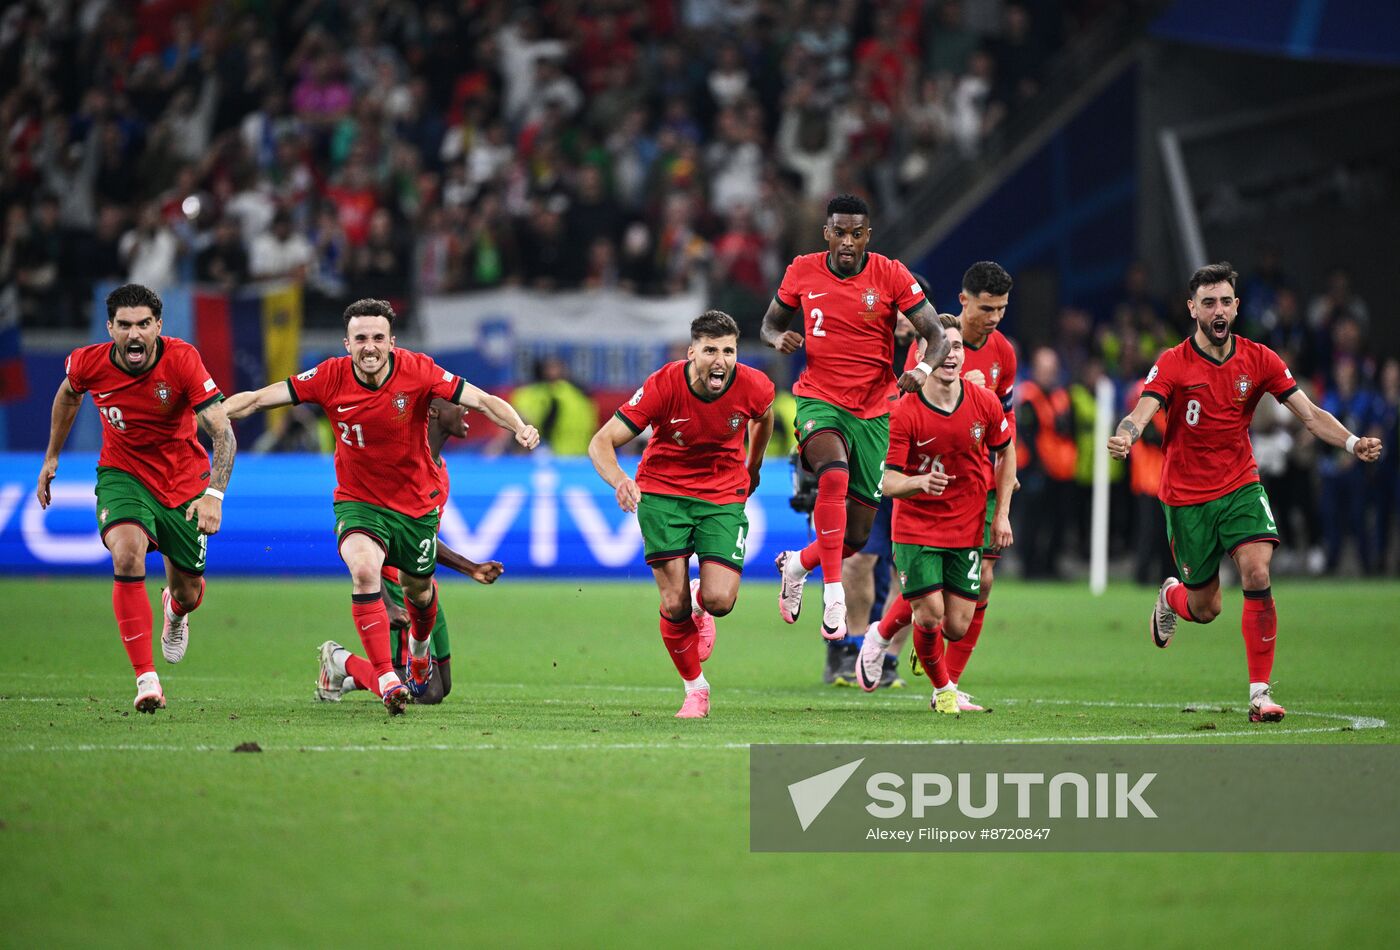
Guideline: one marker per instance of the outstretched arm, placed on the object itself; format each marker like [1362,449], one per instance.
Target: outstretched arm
[66,403]
[1130,429]
[483,573]
[760,431]
[602,451]
[208,508]
[775,330]
[500,412]
[1325,426]
[244,404]
[898,485]
[935,347]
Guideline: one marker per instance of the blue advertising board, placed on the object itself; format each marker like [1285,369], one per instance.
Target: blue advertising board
[541,517]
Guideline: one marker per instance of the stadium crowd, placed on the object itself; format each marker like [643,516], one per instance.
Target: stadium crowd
[388,148]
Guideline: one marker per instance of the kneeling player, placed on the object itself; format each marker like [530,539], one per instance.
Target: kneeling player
[936,472]
[692,484]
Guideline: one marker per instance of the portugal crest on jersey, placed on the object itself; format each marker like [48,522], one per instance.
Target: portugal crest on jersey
[401,402]
[734,420]
[978,430]
[994,375]
[871,297]
[163,392]
[1243,385]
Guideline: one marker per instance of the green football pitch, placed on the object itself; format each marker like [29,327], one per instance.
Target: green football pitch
[554,800]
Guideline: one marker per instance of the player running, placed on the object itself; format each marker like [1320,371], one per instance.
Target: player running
[990,362]
[156,488]
[1210,385]
[341,670]
[692,484]
[938,475]
[848,298]
[387,497]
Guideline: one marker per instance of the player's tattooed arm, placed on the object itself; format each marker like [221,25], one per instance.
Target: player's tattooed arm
[775,332]
[935,346]
[484,573]
[1130,429]
[1325,426]
[760,431]
[66,403]
[602,452]
[206,510]
[500,412]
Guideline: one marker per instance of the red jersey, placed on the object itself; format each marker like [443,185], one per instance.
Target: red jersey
[381,451]
[1209,406]
[925,438]
[697,442]
[849,329]
[148,417]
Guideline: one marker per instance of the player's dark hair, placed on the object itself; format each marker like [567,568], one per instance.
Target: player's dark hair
[986,277]
[132,295]
[949,322]
[369,307]
[1224,272]
[847,204]
[713,324]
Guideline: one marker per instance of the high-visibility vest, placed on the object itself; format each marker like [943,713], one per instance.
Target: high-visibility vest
[1145,462]
[1057,451]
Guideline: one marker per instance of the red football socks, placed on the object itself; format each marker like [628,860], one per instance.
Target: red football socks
[1260,628]
[132,609]
[681,643]
[829,520]
[1178,599]
[372,621]
[960,650]
[422,619]
[362,671]
[180,610]
[928,644]
[899,616]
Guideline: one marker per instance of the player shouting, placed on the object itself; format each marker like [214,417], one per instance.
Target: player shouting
[1210,385]
[156,488]
[692,484]
[387,497]
[848,298]
[938,475]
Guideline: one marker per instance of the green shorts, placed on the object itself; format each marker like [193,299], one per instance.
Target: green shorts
[923,570]
[122,499]
[677,526]
[410,544]
[990,553]
[441,646]
[1201,534]
[867,443]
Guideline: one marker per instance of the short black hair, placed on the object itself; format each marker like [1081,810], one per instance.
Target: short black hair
[1224,272]
[133,295]
[847,204]
[713,324]
[369,307]
[986,277]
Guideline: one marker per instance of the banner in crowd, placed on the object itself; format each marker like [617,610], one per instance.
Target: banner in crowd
[610,339]
[541,517]
[13,384]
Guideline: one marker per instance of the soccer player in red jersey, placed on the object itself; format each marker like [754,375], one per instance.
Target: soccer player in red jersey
[990,362]
[692,484]
[156,488]
[341,670]
[387,498]
[848,298]
[1210,385]
[938,475]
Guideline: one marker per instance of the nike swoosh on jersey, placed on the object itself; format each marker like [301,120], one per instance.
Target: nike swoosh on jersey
[684,419]
[927,441]
[103,395]
[345,408]
[1197,386]
[812,296]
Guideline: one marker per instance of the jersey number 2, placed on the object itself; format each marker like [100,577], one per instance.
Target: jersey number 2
[817,317]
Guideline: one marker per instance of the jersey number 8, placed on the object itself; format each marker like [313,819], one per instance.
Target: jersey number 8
[1193,412]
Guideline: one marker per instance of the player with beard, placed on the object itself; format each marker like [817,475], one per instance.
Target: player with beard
[848,298]
[1210,385]
[156,488]
[691,485]
[991,363]
[387,501]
